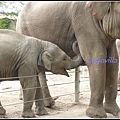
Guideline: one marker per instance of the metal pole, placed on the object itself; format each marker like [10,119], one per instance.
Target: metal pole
[77,83]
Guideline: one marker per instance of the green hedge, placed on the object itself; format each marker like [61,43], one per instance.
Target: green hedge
[6,23]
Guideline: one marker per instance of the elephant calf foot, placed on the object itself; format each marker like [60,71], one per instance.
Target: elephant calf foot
[28,114]
[40,111]
[112,108]
[2,111]
[96,112]
[49,102]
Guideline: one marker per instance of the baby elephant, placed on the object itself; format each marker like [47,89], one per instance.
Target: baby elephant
[21,56]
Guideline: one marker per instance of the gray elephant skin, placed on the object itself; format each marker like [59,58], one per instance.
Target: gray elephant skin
[118,50]
[22,55]
[96,26]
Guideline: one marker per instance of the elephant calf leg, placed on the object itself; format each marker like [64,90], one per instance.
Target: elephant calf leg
[28,96]
[40,109]
[2,110]
[27,109]
[48,100]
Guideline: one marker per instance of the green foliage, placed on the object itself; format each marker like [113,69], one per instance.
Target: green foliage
[6,23]
[8,12]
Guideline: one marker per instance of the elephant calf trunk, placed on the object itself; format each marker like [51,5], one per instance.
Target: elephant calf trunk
[76,63]
[79,60]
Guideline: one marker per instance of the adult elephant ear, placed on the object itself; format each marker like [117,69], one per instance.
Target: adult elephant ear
[98,9]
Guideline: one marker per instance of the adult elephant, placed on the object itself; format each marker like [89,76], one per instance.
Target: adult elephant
[22,55]
[96,26]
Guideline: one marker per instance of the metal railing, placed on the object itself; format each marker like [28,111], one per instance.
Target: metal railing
[76,82]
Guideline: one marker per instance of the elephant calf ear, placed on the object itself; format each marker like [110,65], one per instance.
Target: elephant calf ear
[98,9]
[40,62]
[45,59]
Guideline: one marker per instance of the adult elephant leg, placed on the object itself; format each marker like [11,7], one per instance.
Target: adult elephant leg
[48,100]
[97,84]
[39,110]
[110,104]
[119,79]
[97,73]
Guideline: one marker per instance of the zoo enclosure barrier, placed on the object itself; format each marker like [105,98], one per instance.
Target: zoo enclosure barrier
[77,81]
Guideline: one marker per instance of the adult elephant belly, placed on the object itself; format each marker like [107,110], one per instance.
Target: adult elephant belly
[54,26]
[64,40]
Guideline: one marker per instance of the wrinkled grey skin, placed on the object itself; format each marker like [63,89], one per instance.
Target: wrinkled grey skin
[22,55]
[48,100]
[118,49]
[96,26]
[66,43]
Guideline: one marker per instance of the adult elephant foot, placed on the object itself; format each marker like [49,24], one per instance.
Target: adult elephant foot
[2,111]
[112,108]
[40,111]
[96,112]
[28,114]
